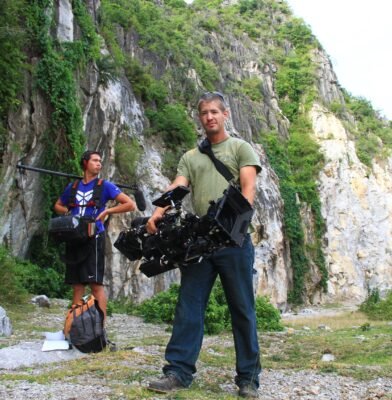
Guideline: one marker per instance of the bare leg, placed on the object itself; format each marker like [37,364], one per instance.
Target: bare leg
[98,292]
[78,292]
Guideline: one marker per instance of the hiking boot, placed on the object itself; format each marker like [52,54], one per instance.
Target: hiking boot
[165,384]
[248,391]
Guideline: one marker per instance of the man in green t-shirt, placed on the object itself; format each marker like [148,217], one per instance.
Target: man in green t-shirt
[234,265]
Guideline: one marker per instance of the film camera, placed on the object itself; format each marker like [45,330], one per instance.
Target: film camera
[185,238]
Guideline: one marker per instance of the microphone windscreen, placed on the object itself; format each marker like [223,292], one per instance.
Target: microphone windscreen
[140,201]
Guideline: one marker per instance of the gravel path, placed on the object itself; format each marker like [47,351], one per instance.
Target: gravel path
[275,384]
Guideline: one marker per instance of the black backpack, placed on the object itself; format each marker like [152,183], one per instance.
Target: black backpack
[84,326]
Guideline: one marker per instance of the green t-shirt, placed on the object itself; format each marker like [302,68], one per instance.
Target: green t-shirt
[206,182]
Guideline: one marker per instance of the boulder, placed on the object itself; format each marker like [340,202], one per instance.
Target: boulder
[5,323]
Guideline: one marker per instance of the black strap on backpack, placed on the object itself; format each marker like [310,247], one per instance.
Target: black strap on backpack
[205,147]
[95,199]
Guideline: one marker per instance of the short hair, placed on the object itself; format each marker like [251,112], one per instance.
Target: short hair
[86,156]
[211,96]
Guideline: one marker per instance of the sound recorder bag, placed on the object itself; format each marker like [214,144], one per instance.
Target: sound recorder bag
[71,228]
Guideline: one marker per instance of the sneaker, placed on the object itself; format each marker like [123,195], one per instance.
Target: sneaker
[248,391]
[165,384]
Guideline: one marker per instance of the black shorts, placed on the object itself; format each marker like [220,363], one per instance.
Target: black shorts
[85,262]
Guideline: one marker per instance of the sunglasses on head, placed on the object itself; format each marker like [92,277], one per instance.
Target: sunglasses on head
[209,94]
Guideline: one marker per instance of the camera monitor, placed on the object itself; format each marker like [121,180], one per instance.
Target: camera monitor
[234,215]
[171,196]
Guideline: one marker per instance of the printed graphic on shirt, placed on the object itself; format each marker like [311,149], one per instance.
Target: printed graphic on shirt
[84,195]
[82,199]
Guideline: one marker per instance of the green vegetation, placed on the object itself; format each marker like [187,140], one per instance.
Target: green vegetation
[297,163]
[161,308]
[278,157]
[362,355]
[164,31]
[13,64]
[108,71]
[297,160]
[267,316]
[127,154]
[180,32]
[11,289]
[373,136]
[361,348]
[173,125]
[54,76]
[295,77]
[144,85]
[376,308]
[252,88]
[20,278]
[167,46]
[38,280]
[293,81]
[121,305]
[172,44]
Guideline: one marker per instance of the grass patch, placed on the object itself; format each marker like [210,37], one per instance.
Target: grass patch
[359,353]
[335,320]
[363,354]
[219,355]
[19,315]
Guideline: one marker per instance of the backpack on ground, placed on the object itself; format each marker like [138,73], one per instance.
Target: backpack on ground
[84,326]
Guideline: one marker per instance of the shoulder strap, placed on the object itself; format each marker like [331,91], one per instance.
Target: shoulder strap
[72,195]
[97,193]
[95,199]
[205,147]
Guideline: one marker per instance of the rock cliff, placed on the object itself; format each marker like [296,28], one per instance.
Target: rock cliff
[356,201]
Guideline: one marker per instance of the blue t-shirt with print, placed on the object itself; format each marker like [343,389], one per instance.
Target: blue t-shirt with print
[84,194]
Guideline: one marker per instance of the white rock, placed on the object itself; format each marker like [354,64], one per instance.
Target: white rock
[328,357]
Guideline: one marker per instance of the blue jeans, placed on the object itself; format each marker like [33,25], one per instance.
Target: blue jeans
[234,265]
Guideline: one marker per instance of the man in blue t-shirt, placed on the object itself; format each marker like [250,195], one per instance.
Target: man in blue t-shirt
[85,262]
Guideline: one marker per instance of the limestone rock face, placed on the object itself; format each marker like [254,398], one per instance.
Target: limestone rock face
[357,207]
[327,80]
[356,201]
[65,29]
[273,275]
[21,193]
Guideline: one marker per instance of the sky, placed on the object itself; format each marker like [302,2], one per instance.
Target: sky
[357,36]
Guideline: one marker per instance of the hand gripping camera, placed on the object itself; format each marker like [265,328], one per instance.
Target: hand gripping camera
[185,238]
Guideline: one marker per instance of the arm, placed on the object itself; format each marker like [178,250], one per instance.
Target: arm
[60,208]
[125,204]
[160,211]
[248,182]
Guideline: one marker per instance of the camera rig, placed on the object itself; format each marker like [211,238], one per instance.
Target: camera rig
[185,238]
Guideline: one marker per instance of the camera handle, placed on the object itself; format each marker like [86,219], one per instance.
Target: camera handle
[175,211]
